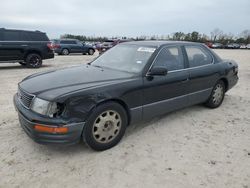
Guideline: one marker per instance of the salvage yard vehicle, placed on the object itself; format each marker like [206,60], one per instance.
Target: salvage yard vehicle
[232,46]
[217,46]
[28,48]
[110,44]
[68,46]
[130,83]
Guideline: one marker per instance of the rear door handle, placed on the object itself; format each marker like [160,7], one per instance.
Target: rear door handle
[24,45]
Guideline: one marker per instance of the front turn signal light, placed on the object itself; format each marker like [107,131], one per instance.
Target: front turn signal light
[42,128]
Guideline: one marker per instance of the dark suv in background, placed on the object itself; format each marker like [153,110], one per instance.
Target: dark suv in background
[67,46]
[28,48]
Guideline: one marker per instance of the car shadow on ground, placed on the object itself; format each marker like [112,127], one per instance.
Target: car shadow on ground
[74,54]
[131,131]
[16,66]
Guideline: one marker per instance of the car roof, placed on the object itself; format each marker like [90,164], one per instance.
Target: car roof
[19,30]
[157,43]
[66,39]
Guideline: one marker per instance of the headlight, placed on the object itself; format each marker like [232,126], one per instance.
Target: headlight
[44,107]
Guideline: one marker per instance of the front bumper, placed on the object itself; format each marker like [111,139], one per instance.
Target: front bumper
[29,119]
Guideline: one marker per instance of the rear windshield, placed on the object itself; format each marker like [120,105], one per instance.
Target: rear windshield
[68,42]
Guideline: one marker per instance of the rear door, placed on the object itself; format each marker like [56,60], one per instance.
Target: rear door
[76,47]
[166,93]
[203,73]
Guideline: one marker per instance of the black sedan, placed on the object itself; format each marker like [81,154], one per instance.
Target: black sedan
[131,82]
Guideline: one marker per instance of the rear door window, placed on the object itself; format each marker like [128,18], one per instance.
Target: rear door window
[1,35]
[11,35]
[68,42]
[198,56]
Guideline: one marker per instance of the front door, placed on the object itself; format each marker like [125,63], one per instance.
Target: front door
[168,92]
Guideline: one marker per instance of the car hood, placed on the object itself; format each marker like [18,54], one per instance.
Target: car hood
[53,84]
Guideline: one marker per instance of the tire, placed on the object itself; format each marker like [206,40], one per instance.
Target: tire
[217,95]
[65,51]
[105,126]
[33,61]
[91,51]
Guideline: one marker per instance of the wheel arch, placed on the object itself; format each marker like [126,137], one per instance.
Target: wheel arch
[32,52]
[66,49]
[225,82]
[119,101]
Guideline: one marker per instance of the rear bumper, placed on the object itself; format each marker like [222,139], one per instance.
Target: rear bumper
[58,50]
[29,121]
[232,81]
[49,55]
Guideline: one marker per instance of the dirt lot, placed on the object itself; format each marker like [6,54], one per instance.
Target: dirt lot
[193,147]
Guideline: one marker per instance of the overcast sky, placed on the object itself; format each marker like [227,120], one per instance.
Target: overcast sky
[125,18]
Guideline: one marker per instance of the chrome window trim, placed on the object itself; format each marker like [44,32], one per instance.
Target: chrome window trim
[203,50]
[191,68]
[177,46]
[179,70]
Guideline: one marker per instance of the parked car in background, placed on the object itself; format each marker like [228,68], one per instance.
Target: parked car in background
[243,46]
[209,44]
[232,46]
[217,46]
[248,46]
[109,44]
[131,82]
[68,46]
[28,48]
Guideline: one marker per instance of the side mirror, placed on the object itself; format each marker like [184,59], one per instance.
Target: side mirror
[158,71]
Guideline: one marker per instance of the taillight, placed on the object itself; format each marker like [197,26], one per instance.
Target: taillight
[50,45]
[56,46]
[53,46]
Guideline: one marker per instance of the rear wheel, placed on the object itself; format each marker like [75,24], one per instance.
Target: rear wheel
[33,61]
[91,52]
[105,127]
[217,95]
[65,52]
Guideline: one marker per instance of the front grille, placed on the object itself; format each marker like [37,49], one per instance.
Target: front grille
[25,98]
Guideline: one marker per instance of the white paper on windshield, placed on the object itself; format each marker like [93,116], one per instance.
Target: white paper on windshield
[146,49]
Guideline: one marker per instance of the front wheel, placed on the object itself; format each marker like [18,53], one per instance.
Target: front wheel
[105,127]
[217,95]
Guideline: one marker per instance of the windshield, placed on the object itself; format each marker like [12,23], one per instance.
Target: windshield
[129,58]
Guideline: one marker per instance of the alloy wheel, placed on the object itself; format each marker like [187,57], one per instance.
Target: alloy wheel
[107,126]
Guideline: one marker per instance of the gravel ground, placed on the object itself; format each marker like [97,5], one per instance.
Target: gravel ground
[189,148]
